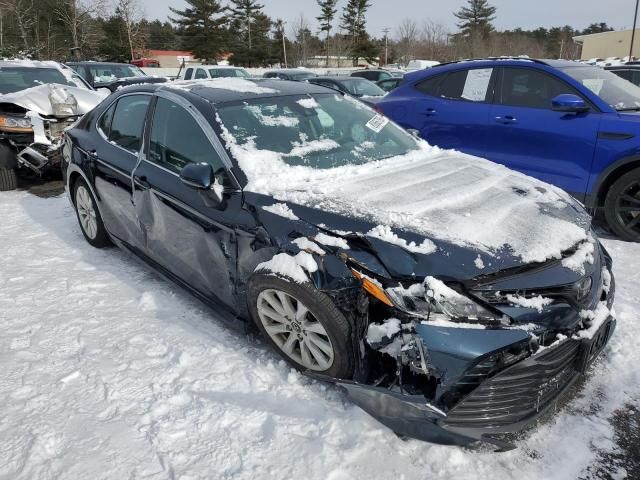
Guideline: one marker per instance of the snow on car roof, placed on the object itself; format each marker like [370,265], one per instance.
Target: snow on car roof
[6,62]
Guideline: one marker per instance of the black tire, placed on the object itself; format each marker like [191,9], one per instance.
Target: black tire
[101,238]
[8,180]
[620,206]
[324,311]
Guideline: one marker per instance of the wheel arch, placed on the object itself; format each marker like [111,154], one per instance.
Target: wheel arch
[610,176]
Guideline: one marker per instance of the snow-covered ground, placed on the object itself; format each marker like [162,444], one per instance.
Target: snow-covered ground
[107,371]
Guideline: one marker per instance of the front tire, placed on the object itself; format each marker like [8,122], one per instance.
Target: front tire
[622,206]
[302,324]
[89,216]
[8,180]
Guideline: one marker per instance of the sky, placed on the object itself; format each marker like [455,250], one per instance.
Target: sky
[511,14]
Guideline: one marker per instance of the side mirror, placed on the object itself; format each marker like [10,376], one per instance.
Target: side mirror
[197,175]
[569,103]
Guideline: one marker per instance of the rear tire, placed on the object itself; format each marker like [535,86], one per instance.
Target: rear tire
[302,324]
[89,216]
[8,180]
[622,206]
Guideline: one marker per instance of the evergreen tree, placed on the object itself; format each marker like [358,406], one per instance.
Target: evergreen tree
[354,22]
[243,14]
[476,18]
[260,52]
[202,28]
[328,12]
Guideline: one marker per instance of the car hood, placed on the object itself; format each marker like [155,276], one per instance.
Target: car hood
[441,211]
[41,99]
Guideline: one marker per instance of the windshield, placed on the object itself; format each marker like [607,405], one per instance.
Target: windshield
[359,87]
[228,72]
[617,92]
[14,79]
[109,73]
[320,131]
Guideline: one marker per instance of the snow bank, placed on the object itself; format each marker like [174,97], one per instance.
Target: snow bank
[93,385]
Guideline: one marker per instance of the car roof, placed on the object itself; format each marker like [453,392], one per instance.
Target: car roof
[290,70]
[211,90]
[30,64]
[93,62]
[229,67]
[632,66]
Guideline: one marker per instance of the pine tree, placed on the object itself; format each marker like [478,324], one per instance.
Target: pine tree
[243,14]
[476,18]
[202,28]
[354,22]
[328,12]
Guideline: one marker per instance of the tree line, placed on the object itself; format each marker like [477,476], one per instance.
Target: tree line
[117,30]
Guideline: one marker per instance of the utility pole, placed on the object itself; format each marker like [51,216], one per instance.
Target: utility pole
[633,32]
[284,45]
[386,31]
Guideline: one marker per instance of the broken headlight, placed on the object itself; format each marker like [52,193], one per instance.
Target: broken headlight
[15,124]
[434,300]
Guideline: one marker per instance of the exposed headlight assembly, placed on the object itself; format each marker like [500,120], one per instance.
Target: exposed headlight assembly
[9,123]
[434,300]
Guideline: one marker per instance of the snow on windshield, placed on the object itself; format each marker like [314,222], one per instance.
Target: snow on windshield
[233,84]
[442,194]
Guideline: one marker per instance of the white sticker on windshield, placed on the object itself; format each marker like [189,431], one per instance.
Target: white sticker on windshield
[377,123]
[477,84]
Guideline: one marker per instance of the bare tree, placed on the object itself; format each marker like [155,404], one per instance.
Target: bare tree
[407,35]
[130,13]
[301,32]
[434,40]
[23,11]
[76,15]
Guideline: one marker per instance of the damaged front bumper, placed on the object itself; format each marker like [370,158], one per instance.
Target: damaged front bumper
[498,403]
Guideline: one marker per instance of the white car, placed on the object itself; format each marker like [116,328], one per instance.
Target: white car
[421,65]
[203,72]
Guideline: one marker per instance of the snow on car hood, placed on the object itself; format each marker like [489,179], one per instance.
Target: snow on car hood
[39,99]
[445,195]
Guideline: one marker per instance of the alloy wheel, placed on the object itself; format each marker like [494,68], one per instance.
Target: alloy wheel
[628,207]
[86,212]
[295,330]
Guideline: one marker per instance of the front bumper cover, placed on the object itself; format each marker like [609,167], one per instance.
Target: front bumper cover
[507,402]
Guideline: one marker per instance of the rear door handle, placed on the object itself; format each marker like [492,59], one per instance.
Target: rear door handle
[141,181]
[506,120]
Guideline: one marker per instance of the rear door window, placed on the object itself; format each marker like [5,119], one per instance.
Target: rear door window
[188,74]
[470,85]
[128,121]
[201,73]
[430,86]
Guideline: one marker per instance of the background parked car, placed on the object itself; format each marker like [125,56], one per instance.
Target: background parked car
[202,72]
[377,74]
[360,88]
[112,75]
[414,65]
[295,74]
[630,72]
[389,84]
[569,124]
[39,100]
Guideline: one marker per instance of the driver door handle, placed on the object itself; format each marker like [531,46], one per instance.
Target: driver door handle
[507,119]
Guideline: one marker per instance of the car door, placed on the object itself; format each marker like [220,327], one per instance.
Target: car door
[527,135]
[116,154]
[452,110]
[189,234]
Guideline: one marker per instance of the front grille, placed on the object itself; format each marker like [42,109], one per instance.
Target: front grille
[519,392]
